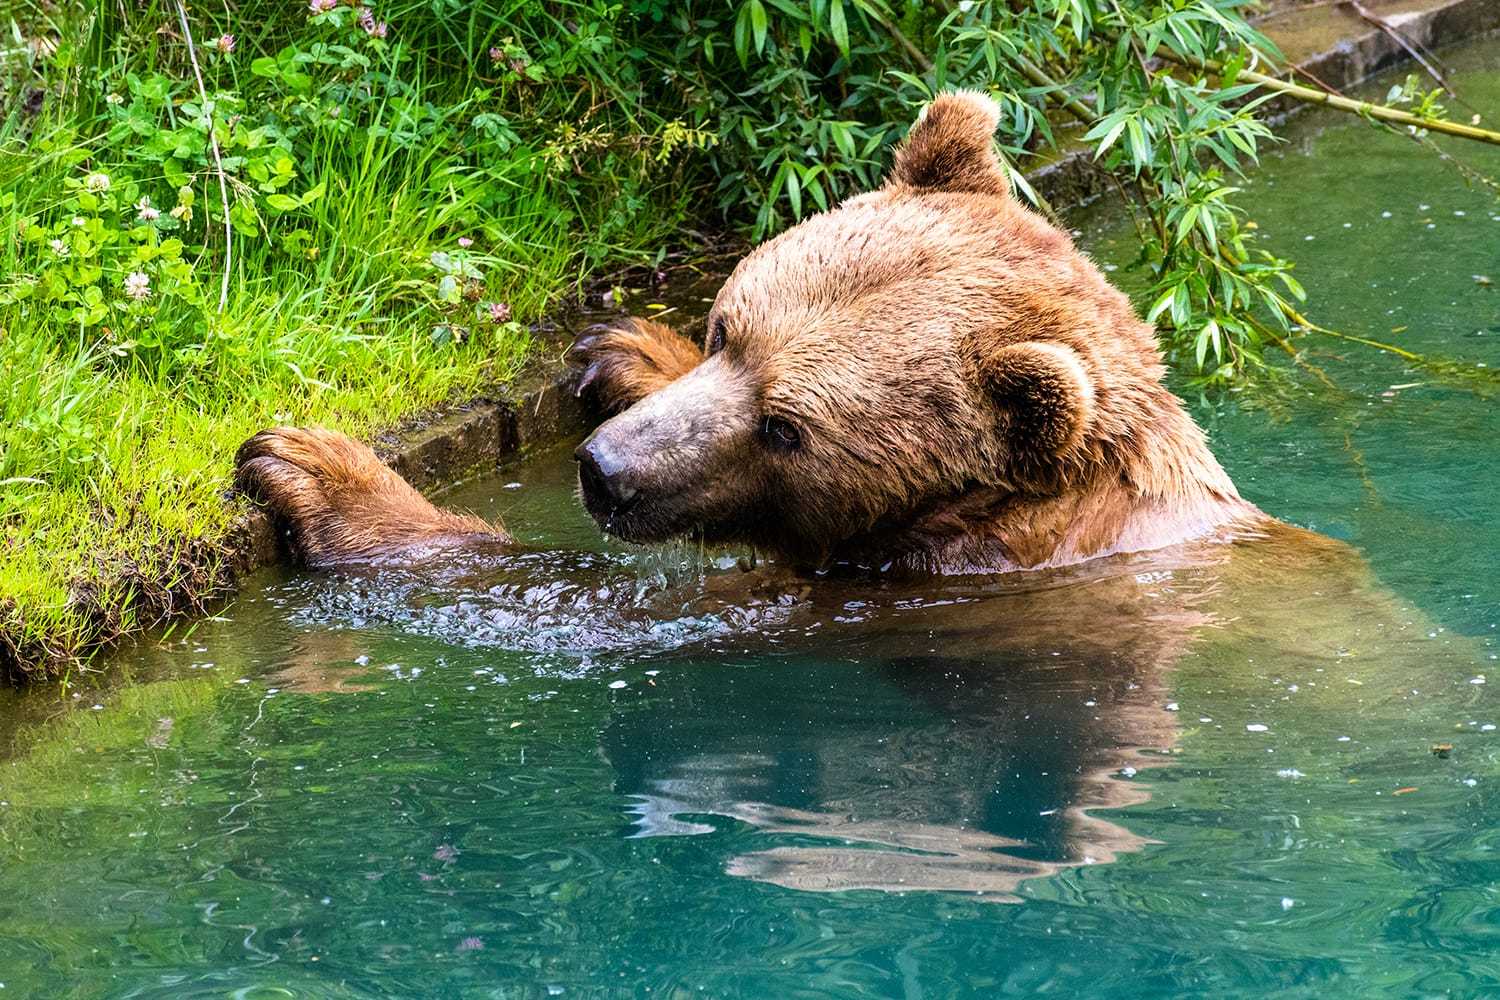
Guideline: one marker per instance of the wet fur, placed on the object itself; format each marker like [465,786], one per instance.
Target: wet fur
[340,503]
[973,395]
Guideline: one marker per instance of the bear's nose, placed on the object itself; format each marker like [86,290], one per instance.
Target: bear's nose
[602,473]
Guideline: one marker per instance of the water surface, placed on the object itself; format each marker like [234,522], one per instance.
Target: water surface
[597,772]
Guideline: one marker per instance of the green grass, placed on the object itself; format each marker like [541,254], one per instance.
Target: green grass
[121,418]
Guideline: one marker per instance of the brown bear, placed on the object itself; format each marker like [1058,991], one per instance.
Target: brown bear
[929,377]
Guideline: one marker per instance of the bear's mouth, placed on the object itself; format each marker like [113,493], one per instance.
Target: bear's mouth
[647,519]
[638,519]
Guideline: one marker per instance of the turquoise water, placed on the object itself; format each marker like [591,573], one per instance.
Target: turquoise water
[617,774]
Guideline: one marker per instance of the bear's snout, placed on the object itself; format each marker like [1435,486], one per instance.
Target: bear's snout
[603,476]
[680,461]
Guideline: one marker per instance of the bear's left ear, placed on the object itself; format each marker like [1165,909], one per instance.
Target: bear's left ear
[1046,401]
[951,147]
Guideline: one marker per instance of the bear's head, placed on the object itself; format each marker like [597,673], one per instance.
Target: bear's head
[887,359]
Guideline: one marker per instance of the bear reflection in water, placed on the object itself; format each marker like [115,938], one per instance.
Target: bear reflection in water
[906,734]
[959,739]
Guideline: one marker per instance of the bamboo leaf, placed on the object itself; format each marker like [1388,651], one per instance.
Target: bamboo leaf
[838,26]
[758,24]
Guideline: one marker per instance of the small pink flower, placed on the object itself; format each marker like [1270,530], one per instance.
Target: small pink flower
[470,944]
[465,242]
[321,6]
[366,19]
[496,54]
[224,43]
[144,212]
[499,312]
[445,853]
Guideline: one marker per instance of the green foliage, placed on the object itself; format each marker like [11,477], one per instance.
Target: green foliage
[390,235]
[806,98]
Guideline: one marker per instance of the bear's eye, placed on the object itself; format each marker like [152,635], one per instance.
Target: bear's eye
[716,336]
[780,435]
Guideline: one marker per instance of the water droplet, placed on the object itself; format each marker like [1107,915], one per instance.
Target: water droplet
[1287,902]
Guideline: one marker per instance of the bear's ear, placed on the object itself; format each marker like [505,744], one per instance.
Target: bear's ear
[1046,403]
[951,147]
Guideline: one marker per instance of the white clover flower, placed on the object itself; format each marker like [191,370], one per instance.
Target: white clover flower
[113,99]
[137,286]
[58,247]
[144,212]
[96,182]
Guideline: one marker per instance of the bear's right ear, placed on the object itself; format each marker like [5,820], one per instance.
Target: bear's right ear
[1046,402]
[951,147]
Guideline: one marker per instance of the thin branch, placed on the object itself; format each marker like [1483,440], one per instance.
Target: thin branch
[1380,112]
[917,55]
[213,141]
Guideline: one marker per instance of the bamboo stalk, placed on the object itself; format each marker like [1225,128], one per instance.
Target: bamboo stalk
[1380,112]
[1073,106]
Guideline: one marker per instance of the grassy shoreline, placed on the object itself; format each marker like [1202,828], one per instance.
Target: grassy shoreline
[384,258]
